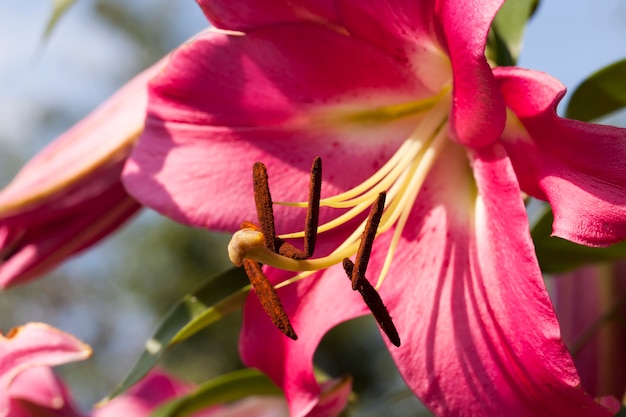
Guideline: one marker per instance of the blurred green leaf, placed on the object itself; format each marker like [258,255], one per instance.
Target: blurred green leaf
[59,7]
[221,295]
[507,31]
[225,388]
[557,255]
[602,93]
[622,412]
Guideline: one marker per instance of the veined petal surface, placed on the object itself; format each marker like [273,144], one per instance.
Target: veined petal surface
[245,15]
[270,92]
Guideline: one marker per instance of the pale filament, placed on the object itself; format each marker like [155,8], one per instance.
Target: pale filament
[401,178]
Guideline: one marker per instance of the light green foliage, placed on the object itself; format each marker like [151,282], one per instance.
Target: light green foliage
[59,7]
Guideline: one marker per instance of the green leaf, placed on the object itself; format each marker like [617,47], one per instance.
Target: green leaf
[622,412]
[507,31]
[602,93]
[221,295]
[225,388]
[558,255]
[59,7]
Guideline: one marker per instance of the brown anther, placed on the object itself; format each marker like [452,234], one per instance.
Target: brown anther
[263,201]
[313,208]
[312,217]
[374,303]
[367,240]
[269,299]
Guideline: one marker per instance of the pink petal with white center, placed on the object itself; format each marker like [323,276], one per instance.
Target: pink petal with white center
[406,29]
[246,15]
[578,167]
[280,95]
[478,112]
[33,345]
[444,43]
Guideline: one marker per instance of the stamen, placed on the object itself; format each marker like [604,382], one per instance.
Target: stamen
[269,299]
[367,240]
[374,303]
[263,201]
[312,217]
[313,209]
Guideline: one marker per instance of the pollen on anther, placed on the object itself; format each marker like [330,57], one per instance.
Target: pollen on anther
[375,304]
[269,299]
[367,240]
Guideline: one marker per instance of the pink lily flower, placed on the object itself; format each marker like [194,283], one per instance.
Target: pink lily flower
[70,196]
[397,97]
[30,346]
[590,303]
[37,392]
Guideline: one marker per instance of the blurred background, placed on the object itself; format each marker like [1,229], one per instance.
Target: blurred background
[112,296]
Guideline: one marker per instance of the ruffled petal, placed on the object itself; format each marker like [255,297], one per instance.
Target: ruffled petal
[578,167]
[246,15]
[479,335]
[270,92]
[478,112]
[32,345]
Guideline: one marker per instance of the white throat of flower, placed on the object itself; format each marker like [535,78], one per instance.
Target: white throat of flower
[401,178]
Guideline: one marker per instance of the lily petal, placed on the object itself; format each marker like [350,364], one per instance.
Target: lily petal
[270,92]
[38,392]
[501,343]
[246,15]
[70,196]
[578,167]
[473,331]
[33,345]
[478,112]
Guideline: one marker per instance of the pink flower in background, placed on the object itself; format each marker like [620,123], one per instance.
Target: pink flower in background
[591,305]
[394,96]
[37,392]
[30,346]
[70,196]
